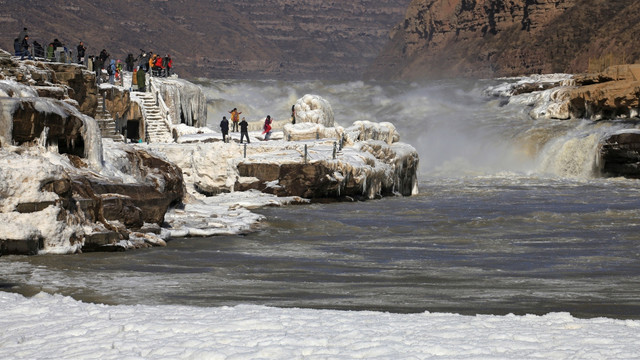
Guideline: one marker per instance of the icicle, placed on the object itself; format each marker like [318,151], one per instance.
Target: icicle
[42,140]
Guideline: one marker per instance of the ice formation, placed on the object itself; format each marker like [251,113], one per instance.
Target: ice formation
[185,100]
[314,109]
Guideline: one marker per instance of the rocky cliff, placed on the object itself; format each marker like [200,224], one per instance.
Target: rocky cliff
[489,38]
[222,38]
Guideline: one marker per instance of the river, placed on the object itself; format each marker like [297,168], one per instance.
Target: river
[512,217]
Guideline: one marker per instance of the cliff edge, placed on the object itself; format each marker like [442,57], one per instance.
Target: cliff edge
[492,38]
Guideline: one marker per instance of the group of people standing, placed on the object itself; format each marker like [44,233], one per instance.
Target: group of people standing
[235,120]
[243,125]
[158,65]
[57,51]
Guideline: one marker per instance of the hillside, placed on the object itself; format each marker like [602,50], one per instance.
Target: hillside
[221,38]
[488,38]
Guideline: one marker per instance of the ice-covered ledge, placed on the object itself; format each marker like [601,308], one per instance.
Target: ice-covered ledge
[315,158]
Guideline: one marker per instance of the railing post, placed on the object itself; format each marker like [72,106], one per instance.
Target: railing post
[305,153]
[335,145]
[245,151]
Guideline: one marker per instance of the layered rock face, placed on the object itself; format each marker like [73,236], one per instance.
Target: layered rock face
[489,38]
[222,38]
[56,195]
[620,155]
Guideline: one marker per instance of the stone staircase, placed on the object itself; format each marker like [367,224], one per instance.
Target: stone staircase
[106,123]
[156,127]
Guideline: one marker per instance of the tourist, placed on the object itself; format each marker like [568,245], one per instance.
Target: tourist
[267,128]
[111,71]
[134,79]
[56,44]
[104,55]
[224,127]
[50,52]
[244,130]
[130,62]
[158,65]
[38,50]
[142,81]
[90,62]
[24,47]
[152,60]
[22,35]
[17,47]
[81,50]
[235,118]
[169,64]
[293,114]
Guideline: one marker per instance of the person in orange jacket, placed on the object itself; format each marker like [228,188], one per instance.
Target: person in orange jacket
[235,119]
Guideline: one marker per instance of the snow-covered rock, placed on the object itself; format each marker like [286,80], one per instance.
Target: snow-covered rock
[314,109]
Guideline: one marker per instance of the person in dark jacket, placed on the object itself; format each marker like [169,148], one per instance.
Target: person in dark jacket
[104,55]
[38,50]
[130,60]
[57,44]
[22,34]
[25,49]
[81,50]
[17,47]
[244,130]
[224,127]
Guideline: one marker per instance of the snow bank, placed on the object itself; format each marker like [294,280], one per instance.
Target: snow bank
[72,329]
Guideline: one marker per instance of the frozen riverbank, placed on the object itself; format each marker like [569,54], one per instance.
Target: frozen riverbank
[72,329]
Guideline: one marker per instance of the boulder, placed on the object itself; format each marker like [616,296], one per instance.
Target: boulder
[620,155]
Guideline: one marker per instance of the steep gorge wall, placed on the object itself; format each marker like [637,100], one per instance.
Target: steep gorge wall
[487,38]
[268,39]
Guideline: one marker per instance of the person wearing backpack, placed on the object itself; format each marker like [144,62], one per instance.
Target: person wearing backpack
[235,119]
[111,71]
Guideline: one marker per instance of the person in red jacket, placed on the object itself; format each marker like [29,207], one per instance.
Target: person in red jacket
[168,64]
[267,127]
[157,66]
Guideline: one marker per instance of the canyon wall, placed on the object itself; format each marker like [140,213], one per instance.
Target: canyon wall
[271,39]
[489,38]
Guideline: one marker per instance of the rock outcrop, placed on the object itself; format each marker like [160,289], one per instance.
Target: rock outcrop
[611,94]
[56,194]
[491,38]
[620,154]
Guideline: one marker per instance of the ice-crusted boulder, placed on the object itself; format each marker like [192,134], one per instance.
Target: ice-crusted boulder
[367,130]
[360,131]
[314,109]
[311,131]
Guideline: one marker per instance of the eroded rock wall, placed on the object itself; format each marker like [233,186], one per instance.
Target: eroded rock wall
[489,38]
